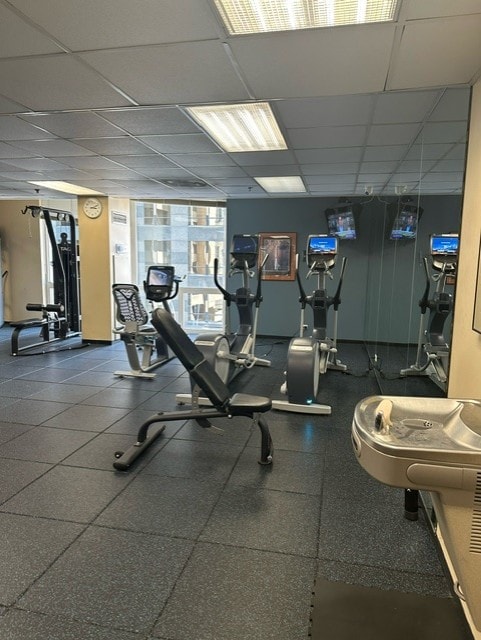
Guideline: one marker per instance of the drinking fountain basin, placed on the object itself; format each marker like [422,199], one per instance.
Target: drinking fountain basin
[431,444]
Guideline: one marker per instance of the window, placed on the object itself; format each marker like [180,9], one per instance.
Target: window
[189,238]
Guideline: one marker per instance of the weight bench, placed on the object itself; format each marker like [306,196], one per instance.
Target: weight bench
[136,333]
[205,379]
[53,326]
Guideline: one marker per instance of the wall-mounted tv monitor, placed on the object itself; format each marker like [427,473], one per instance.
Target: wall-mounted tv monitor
[405,225]
[341,222]
[445,244]
[322,245]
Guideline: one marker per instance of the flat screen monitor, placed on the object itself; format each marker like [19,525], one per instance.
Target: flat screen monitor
[244,244]
[158,276]
[445,244]
[341,223]
[322,245]
[405,225]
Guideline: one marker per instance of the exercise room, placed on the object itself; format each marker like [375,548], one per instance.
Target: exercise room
[240,320]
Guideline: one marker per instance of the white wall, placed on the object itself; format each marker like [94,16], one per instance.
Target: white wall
[465,366]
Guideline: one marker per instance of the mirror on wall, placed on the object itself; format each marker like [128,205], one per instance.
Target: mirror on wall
[412,258]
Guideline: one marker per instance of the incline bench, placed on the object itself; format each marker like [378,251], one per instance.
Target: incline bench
[205,378]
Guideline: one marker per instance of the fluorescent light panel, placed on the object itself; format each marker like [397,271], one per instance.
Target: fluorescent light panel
[66,187]
[260,16]
[241,127]
[282,184]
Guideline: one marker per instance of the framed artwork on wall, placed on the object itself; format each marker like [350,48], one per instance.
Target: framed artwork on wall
[280,249]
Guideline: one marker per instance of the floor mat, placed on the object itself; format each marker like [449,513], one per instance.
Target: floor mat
[343,612]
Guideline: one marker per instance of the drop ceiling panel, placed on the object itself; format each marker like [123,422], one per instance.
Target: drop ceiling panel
[54,83]
[454,105]
[327,137]
[225,172]
[414,10]
[314,181]
[272,171]
[36,164]
[87,162]
[326,111]
[115,146]
[425,60]
[263,157]
[91,24]
[13,128]
[385,153]
[167,173]
[171,74]
[347,154]
[404,106]
[141,161]
[299,64]
[52,148]
[7,151]
[151,121]
[202,159]
[74,125]
[428,151]
[443,132]
[184,143]
[392,134]
[21,39]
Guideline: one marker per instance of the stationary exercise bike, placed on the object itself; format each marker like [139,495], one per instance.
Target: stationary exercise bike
[310,357]
[431,340]
[230,353]
[134,328]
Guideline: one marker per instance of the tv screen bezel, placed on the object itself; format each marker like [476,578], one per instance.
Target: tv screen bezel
[169,270]
[331,238]
[254,250]
[333,214]
[439,236]
[405,210]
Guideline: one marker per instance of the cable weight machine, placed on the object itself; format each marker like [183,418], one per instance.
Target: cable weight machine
[61,318]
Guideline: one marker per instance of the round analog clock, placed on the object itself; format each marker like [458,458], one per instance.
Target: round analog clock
[92,207]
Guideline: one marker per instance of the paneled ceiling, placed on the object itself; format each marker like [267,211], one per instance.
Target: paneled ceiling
[93,92]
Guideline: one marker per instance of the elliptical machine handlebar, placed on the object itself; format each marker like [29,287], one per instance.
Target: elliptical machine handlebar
[225,293]
[258,296]
[336,299]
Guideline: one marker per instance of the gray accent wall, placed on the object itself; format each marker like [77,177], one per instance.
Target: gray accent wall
[384,279]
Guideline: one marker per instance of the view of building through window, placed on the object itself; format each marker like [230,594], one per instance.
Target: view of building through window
[190,238]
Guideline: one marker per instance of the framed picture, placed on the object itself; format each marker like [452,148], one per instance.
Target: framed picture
[280,249]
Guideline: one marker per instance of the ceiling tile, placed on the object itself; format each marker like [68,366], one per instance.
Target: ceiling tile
[404,106]
[392,134]
[115,146]
[13,128]
[52,148]
[424,60]
[171,74]
[153,121]
[301,61]
[327,137]
[116,23]
[385,153]
[55,82]
[454,105]
[73,125]
[312,156]
[20,38]
[325,111]
[182,143]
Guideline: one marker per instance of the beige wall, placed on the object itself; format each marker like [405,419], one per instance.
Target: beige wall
[97,256]
[20,246]
[465,366]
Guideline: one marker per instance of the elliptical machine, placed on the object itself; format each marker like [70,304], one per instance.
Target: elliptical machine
[310,357]
[444,256]
[135,330]
[230,353]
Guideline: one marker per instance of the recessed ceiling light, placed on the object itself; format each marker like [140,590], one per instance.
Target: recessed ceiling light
[66,187]
[282,184]
[260,16]
[241,127]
